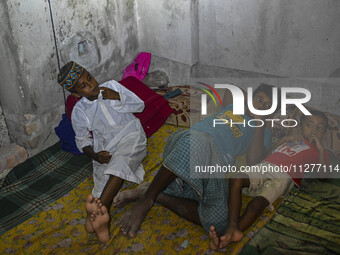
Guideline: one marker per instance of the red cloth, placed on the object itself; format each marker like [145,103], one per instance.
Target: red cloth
[70,103]
[156,110]
[297,157]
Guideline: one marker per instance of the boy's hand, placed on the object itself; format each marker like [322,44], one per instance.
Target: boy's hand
[103,157]
[317,144]
[109,93]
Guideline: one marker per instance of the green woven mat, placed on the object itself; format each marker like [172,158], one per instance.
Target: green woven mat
[307,222]
[37,182]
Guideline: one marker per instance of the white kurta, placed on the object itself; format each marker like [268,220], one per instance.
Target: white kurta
[115,129]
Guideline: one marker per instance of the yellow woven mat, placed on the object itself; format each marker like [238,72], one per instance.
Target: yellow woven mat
[59,228]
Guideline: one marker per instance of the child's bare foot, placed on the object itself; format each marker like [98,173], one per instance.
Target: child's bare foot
[100,223]
[99,205]
[232,234]
[133,218]
[214,239]
[130,195]
[90,207]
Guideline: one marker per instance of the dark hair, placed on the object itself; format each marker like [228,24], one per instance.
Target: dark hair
[315,113]
[268,90]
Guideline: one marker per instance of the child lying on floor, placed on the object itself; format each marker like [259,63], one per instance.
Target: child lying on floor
[292,151]
[117,144]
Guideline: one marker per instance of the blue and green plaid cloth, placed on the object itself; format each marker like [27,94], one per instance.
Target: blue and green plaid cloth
[185,150]
[37,182]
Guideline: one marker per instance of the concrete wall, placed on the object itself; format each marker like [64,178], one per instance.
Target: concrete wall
[260,39]
[169,30]
[4,137]
[281,37]
[246,39]
[32,101]
[278,37]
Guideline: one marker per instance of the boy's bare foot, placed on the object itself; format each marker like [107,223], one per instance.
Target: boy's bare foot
[130,195]
[214,239]
[90,207]
[100,223]
[232,234]
[132,219]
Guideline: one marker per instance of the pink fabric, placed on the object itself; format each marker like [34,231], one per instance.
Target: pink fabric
[139,66]
[156,110]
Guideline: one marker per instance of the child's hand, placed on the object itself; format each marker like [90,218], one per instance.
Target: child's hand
[109,94]
[103,157]
[317,144]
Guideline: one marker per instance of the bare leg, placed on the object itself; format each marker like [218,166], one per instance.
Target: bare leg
[253,211]
[111,189]
[183,207]
[239,224]
[132,219]
[233,233]
[101,216]
[127,196]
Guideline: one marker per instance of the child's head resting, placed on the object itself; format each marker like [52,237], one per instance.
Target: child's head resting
[74,78]
[314,125]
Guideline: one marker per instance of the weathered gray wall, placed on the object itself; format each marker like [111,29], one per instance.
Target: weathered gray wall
[281,37]
[278,37]
[4,137]
[32,101]
[294,39]
[169,30]
[246,38]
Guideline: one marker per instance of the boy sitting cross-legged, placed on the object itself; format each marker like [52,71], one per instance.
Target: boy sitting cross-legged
[265,185]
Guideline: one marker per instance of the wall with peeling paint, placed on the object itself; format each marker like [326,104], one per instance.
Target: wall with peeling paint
[31,99]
